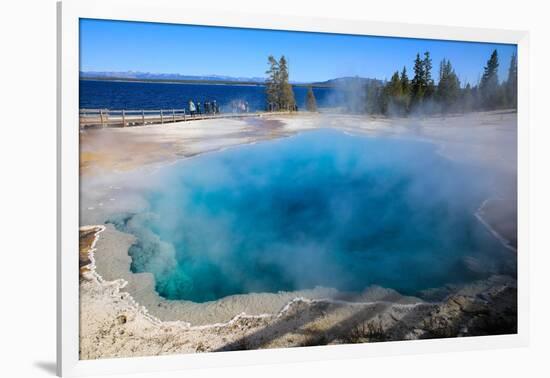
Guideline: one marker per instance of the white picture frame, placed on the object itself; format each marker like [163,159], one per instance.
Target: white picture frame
[170,11]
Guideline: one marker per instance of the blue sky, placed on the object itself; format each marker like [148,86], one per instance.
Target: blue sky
[196,50]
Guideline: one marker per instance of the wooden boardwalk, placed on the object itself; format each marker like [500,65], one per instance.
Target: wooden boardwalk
[98,118]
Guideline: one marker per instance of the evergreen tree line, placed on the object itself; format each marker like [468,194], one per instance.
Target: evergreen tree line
[280,95]
[401,95]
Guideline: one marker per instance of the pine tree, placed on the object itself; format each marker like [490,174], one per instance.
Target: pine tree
[280,95]
[286,99]
[428,81]
[394,102]
[311,104]
[448,88]
[488,86]
[405,83]
[394,88]
[272,84]
[406,89]
[417,83]
[512,83]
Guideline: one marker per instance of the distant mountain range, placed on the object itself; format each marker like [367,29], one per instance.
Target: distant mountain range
[349,80]
[163,77]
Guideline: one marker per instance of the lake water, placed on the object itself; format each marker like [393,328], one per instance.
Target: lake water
[97,94]
[319,209]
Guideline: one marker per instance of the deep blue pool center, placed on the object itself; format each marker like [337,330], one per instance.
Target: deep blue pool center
[321,208]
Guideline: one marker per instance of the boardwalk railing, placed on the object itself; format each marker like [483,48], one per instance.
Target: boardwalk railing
[124,118]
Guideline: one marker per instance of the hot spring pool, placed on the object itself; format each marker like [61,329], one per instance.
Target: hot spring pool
[319,209]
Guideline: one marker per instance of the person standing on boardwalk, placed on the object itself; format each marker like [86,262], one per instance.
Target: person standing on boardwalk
[192,108]
[199,108]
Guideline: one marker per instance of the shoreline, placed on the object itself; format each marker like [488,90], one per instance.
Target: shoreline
[506,242]
[278,302]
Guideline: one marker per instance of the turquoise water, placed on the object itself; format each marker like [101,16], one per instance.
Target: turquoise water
[319,209]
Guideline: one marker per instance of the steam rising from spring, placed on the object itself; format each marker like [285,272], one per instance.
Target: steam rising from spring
[318,209]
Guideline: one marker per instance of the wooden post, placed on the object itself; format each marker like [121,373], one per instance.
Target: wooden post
[101,117]
[161,117]
[173,115]
[123,118]
[143,117]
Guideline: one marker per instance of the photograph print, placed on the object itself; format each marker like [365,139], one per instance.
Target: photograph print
[245,189]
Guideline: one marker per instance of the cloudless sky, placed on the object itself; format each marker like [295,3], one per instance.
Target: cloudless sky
[199,50]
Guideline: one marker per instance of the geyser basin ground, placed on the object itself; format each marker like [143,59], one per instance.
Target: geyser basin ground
[321,208]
